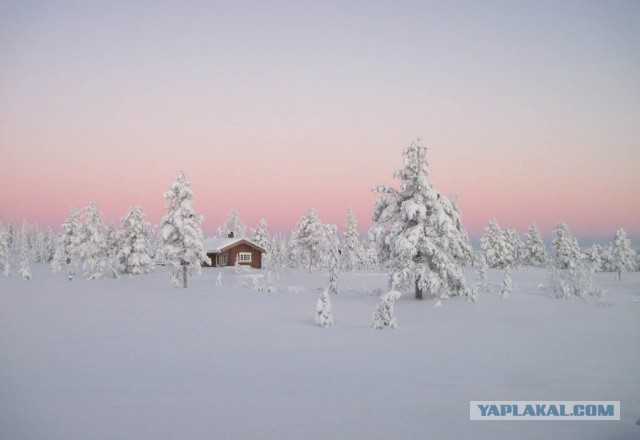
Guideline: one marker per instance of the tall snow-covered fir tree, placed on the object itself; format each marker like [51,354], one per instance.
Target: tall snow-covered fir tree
[90,248]
[64,254]
[181,245]
[535,253]
[5,255]
[624,257]
[352,252]
[310,242]
[496,247]
[419,232]
[566,252]
[233,225]
[134,249]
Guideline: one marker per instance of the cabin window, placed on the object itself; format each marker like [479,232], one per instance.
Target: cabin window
[244,257]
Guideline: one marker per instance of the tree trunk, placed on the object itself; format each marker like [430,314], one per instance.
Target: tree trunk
[418,289]
[184,275]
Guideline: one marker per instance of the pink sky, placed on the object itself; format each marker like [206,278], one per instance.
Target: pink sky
[530,113]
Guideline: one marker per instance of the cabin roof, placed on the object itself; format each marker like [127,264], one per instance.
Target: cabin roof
[217,245]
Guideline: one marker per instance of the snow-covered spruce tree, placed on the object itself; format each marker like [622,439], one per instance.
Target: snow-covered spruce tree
[383,316]
[535,253]
[113,243]
[324,315]
[25,270]
[90,248]
[233,225]
[482,283]
[606,257]
[370,255]
[11,230]
[507,285]
[496,247]
[419,232]
[278,252]
[334,259]
[63,256]
[594,257]
[624,257]
[309,243]
[352,252]
[260,236]
[134,253]
[566,252]
[5,256]
[180,244]
[517,247]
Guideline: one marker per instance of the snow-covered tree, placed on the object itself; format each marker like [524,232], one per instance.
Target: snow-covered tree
[12,231]
[517,247]
[310,242]
[113,242]
[278,252]
[370,255]
[64,254]
[535,251]
[606,258]
[507,285]
[90,248]
[264,283]
[5,255]
[134,250]
[566,252]
[575,282]
[594,256]
[624,257]
[25,270]
[482,283]
[260,236]
[352,252]
[233,225]
[383,316]
[181,245]
[334,260]
[496,247]
[324,315]
[419,232]
[219,280]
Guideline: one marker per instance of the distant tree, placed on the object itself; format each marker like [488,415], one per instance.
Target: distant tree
[624,257]
[496,247]
[25,270]
[260,236]
[535,252]
[352,252]
[517,247]
[90,248]
[383,316]
[310,242]
[594,256]
[370,255]
[324,314]
[181,245]
[507,284]
[5,246]
[278,252]
[11,230]
[233,225]
[566,251]
[113,242]
[64,254]
[419,232]
[334,259]
[134,243]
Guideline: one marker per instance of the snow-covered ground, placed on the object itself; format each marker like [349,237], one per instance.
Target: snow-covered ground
[135,358]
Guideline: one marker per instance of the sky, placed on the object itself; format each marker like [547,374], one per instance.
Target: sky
[530,110]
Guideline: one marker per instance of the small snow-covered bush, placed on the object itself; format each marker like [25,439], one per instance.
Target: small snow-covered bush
[383,316]
[575,282]
[219,280]
[264,283]
[507,284]
[324,316]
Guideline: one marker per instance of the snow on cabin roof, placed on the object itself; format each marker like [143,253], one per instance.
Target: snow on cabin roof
[217,245]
